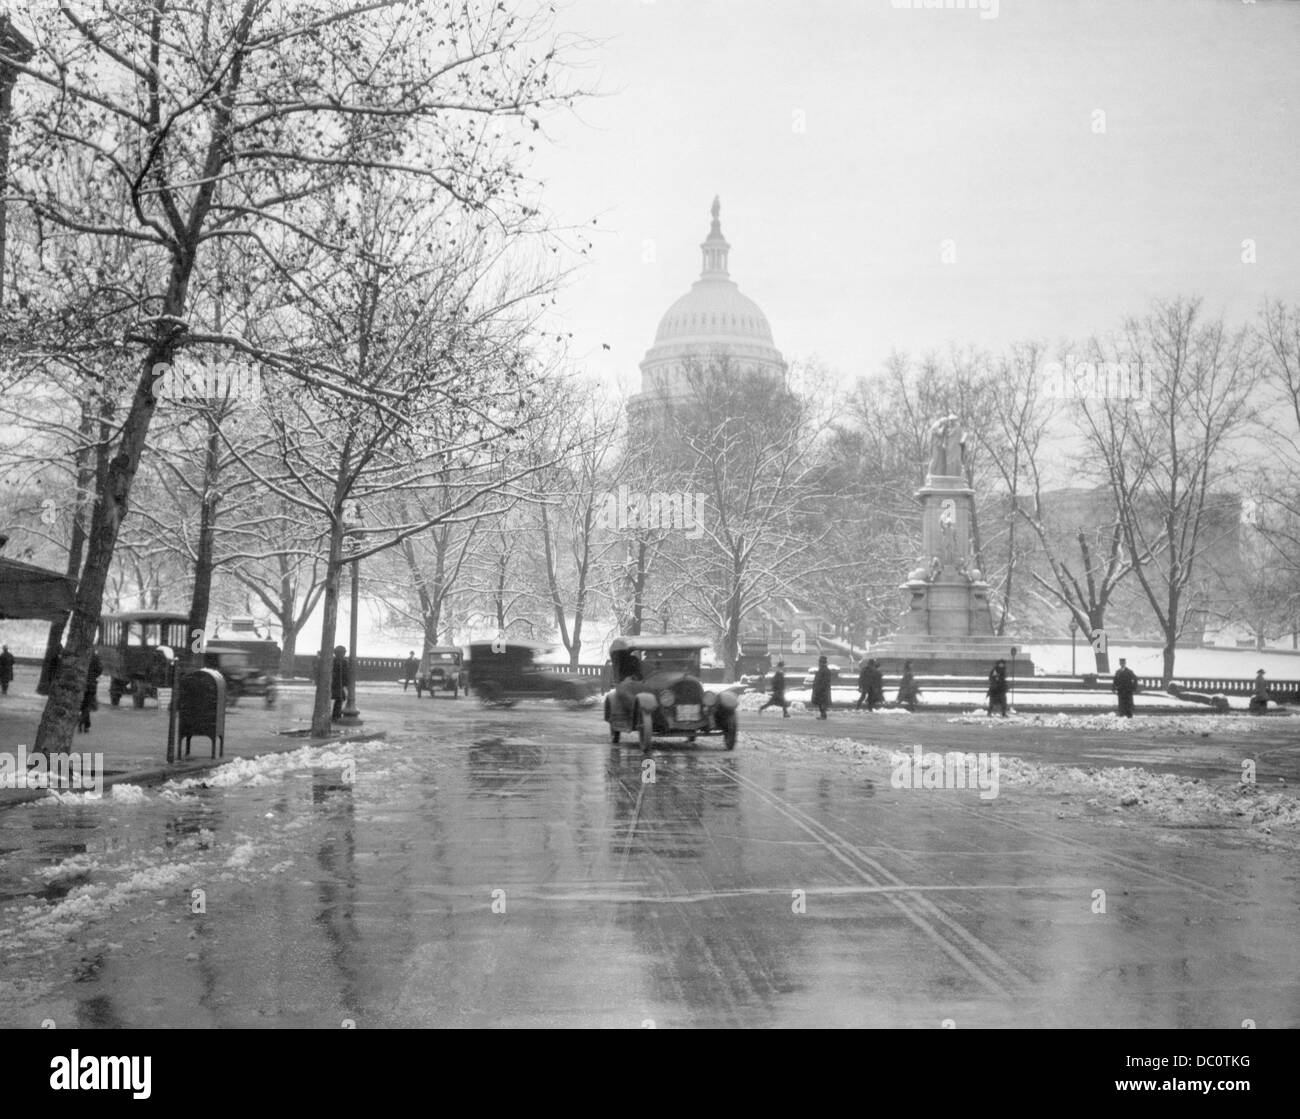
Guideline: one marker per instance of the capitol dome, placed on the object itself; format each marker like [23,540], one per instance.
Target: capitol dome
[711,322]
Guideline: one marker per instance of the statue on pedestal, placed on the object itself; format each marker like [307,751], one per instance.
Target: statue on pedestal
[947,442]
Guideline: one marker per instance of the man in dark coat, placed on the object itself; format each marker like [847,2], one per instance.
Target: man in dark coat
[1259,700]
[998,688]
[1124,684]
[864,684]
[908,692]
[875,685]
[6,669]
[89,701]
[776,696]
[412,667]
[338,681]
[821,689]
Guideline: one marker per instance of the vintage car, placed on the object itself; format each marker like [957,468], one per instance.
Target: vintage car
[138,651]
[657,691]
[441,670]
[503,672]
[242,676]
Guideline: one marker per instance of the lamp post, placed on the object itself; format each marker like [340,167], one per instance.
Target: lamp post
[663,618]
[1013,677]
[1074,632]
[351,717]
[13,45]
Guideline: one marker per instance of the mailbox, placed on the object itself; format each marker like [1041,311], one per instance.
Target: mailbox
[200,709]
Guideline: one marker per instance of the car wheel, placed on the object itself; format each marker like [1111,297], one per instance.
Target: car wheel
[614,736]
[646,731]
[114,692]
[489,694]
[270,697]
[137,696]
[729,733]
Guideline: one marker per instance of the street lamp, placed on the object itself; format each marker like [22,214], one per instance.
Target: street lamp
[351,717]
[1074,632]
[1013,678]
[15,46]
[663,618]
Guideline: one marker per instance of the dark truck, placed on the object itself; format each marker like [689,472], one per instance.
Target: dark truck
[503,672]
[138,651]
[442,670]
[242,676]
[657,691]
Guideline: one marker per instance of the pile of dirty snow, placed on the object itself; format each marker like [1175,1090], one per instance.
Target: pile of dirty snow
[1173,724]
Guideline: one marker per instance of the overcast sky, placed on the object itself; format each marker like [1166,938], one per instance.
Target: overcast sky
[849,139]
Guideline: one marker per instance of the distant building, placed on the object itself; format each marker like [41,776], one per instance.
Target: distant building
[712,324]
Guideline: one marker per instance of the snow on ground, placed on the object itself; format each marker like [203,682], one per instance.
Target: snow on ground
[1144,724]
[1267,813]
[115,879]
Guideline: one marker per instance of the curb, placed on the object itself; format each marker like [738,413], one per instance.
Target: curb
[11,798]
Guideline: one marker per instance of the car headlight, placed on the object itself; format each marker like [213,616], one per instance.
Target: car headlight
[728,700]
[667,698]
[710,699]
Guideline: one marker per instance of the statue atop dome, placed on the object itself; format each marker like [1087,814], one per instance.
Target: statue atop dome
[716,209]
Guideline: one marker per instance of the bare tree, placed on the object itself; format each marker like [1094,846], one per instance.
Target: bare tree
[1162,461]
[275,101]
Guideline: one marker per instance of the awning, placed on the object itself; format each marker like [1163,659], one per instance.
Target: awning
[28,591]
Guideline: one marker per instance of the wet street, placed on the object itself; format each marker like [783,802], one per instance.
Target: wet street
[512,868]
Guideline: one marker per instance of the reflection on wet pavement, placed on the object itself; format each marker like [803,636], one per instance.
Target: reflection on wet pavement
[509,870]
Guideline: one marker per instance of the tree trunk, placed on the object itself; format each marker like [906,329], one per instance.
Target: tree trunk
[63,708]
[320,716]
[203,565]
[1101,651]
[288,647]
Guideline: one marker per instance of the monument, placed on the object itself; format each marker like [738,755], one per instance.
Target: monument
[947,627]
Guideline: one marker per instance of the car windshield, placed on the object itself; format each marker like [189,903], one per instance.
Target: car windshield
[669,660]
[442,658]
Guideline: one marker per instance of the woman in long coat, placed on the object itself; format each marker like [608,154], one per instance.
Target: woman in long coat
[821,689]
[908,692]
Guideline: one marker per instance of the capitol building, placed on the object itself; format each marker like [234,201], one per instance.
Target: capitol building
[712,325]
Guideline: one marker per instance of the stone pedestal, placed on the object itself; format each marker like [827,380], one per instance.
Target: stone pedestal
[947,627]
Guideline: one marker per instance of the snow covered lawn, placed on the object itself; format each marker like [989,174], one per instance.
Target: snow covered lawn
[1144,724]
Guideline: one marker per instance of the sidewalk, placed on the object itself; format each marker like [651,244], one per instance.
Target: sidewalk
[134,742]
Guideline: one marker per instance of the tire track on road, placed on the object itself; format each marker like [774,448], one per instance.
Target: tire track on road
[965,949]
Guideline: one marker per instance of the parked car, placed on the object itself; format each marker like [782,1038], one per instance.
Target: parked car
[138,650]
[242,676]
[503,672]
[657,691]
[442,670]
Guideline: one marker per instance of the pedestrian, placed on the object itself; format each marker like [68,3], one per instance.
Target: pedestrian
[338,682]
[908,692]
[1259,700]
[875,687]
[6,669]
[89,700]
[776,696]
[864,684]
[821,689]
[997,692]
[412,667]
[1124,684]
